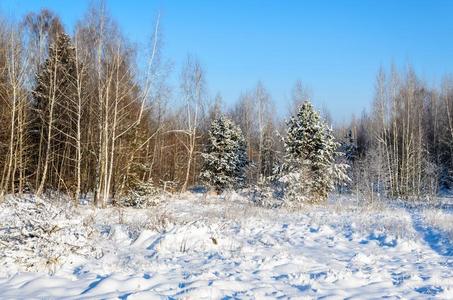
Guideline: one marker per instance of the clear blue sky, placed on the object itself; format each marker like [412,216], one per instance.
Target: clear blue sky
[334,47]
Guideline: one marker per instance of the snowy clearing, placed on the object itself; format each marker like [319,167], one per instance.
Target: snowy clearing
[193,247]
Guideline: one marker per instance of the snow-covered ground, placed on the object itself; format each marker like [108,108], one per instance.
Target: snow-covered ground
[193,247]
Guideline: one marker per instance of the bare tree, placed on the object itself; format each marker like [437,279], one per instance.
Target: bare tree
[299,94]
[192,87]
[15,98]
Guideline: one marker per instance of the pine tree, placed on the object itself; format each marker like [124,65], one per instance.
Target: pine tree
[309,169]
[225,160]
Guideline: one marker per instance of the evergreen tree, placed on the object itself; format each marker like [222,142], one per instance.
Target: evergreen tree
[54,116]
[345,159]
[225,160]
[349,148]
[309,169]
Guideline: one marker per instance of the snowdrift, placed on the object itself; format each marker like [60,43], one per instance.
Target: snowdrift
[217,247]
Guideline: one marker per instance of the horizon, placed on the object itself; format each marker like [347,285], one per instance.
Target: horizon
[335,49]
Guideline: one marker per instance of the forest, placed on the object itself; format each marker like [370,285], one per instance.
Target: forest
[84,112]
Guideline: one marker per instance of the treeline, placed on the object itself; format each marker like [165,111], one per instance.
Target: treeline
[77,114]
[88,112]
[84,113]
[404,146]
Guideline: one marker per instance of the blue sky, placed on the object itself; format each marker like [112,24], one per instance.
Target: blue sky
[334,47]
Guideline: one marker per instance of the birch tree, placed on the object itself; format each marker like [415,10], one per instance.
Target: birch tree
[192,87]
[14,99]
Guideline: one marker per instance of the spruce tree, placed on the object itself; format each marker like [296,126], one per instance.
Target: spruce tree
[225,160]
[345,160]
[57,74]
[310,152]
[54,109]
[349,148]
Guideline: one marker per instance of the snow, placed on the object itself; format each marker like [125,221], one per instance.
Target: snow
[195,246]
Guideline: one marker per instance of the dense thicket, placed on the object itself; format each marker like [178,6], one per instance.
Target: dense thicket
[87,112]
[403,147]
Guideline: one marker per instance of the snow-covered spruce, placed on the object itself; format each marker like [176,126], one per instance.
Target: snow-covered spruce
[141,195]
[225,160]
[309,170]
[266,194]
